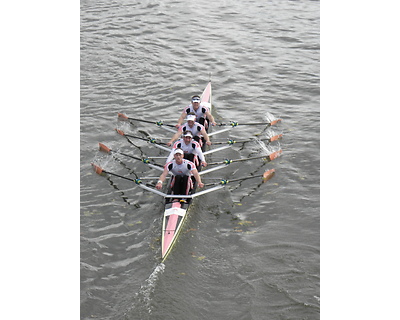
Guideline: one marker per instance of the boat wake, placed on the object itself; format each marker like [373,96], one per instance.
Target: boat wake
[143,297]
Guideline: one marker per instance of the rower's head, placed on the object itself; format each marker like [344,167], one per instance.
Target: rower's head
[178,155]
[195,101]
[187,136]
[190,119]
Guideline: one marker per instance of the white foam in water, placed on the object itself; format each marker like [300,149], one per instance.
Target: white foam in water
[147,289]
[268,149]
[269,133]
[269,117]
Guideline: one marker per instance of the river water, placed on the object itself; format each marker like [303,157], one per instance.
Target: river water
[250,251]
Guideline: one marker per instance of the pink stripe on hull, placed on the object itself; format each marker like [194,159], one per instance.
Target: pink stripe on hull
[176,205]
[170,229]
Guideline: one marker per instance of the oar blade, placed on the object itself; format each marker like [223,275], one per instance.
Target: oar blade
[97,169]
[122,117]
[268,175]
[104,148]
[120,132]
[275,155]
[272,123]
[277,137]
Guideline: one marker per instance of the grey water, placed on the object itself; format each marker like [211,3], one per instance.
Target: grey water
[251,251]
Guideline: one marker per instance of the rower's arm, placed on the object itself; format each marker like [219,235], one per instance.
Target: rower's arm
[205,135]
[171,156]
[199,153]
[175,137]
[161,179]
[210,116]
[181,118]
[198,178]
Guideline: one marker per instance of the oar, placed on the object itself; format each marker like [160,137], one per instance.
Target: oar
[270,157]
[105,149]
[235,123]
[149,140]
[124,117]
[267,175]
[230,141]
[100,171]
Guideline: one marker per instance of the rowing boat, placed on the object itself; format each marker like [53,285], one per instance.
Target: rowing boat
[176,212]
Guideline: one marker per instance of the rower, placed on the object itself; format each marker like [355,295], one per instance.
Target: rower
[196,128]
[192,150]
[201,111]
[182,171]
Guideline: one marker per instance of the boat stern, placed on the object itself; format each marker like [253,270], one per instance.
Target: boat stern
[172,224]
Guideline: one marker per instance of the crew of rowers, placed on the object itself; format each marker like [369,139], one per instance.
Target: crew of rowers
[186,154]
